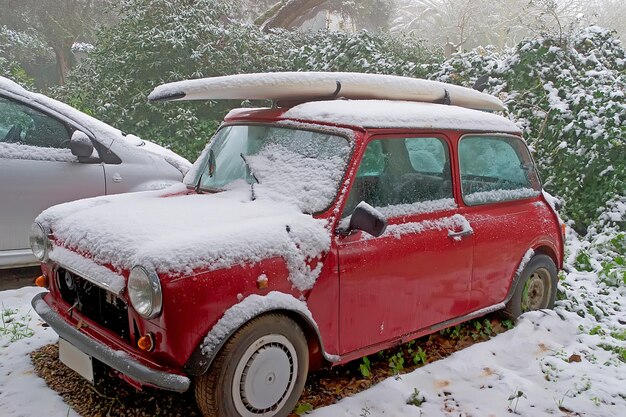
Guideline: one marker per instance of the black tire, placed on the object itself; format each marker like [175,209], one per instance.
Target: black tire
[536,287]
[272,335]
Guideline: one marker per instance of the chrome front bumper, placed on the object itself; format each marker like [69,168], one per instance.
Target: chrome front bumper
[115,359]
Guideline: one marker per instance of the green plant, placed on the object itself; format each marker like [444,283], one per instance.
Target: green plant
[488,327]
[597,330]
[613,271]
[419,356]
[559,403]
[303,408]
[452,332]
[416,398]
[508,324]
[619,334]
[618,350]
[516,397]
[365,367]
[396,363]
[17,327]
[583,261]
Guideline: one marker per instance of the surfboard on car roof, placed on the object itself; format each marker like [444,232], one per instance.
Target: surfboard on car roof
[298,87]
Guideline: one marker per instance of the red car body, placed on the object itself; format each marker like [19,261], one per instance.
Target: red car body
[371,294]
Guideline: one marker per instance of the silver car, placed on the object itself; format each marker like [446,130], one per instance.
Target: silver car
[51,153]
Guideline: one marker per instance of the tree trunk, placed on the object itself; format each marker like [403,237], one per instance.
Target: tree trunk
[291,12]
[65,59]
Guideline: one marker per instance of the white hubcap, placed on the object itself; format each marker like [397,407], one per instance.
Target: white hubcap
[265,376]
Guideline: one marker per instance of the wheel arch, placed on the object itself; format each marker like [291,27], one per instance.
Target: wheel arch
[539,250]
[200,361]
[547,250]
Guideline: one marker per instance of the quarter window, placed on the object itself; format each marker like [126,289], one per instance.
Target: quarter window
[496,168]
[403,176]
[26,126]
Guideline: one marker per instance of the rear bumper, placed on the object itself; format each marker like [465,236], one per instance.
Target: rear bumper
[117,360]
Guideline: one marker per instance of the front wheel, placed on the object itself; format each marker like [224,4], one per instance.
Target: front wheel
[536,288]
[260,371]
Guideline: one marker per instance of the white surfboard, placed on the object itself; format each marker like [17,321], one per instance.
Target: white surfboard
[310,86]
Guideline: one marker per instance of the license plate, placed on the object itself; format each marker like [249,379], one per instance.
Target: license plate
[76,360]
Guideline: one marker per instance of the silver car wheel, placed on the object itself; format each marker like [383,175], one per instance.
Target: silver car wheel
[265,376]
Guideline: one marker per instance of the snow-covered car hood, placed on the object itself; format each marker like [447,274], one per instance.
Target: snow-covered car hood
[95,126]
[176,232]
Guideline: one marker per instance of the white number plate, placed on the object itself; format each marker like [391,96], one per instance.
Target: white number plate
[76,360]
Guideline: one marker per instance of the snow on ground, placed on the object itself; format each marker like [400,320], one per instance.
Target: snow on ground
[564,362]
[22,393]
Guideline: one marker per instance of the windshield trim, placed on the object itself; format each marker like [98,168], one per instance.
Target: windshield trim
[323,129]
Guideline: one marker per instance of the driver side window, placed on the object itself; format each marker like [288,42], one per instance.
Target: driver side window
[24,125]
[403,176]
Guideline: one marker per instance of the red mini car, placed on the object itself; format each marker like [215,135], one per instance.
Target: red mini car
[360,211]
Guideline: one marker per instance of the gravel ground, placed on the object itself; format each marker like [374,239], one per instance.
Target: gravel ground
[112,397]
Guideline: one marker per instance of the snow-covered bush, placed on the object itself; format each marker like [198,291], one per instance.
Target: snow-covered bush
[603,249]
[357,52]
[569,96]
[18,49]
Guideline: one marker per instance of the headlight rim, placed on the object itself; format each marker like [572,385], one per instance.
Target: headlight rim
[46,244]
[156,293]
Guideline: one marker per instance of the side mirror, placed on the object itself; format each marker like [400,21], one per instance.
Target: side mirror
[368,219]
[81,145]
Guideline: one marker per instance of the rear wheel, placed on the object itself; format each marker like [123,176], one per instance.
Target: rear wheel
[260,371]
[536,288]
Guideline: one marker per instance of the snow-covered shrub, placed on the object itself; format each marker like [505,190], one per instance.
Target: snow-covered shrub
[569,96]
[16,50]
[603,249]
[356,52]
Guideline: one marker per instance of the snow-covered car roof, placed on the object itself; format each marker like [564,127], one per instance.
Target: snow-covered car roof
[400,114]
[387,114]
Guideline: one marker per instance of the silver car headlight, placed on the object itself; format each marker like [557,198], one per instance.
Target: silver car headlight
[39,242]
[144,291]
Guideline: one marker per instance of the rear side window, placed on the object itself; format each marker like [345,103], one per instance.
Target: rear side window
[496,168]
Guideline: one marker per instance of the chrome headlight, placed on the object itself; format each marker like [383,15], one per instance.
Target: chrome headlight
[144,291]
[39,242]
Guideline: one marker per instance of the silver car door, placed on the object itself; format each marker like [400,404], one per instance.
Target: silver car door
[37,170]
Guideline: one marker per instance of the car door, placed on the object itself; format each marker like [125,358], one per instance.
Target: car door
[37,170]
[418,272]
[500,192]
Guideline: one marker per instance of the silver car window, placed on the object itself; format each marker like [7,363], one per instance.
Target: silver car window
[24,125]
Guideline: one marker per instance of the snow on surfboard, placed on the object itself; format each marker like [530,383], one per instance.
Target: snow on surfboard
[308,86]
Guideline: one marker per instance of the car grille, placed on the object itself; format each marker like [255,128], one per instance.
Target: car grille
[93,302]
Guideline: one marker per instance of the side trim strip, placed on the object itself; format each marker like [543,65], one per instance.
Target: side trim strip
[474,314]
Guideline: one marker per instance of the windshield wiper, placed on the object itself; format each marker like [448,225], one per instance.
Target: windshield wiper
[245,161]
[197,187]
[210,167]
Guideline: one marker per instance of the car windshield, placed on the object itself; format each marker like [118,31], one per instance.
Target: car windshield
[303,167]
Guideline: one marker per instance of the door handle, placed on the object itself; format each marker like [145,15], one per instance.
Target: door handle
[461,234]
